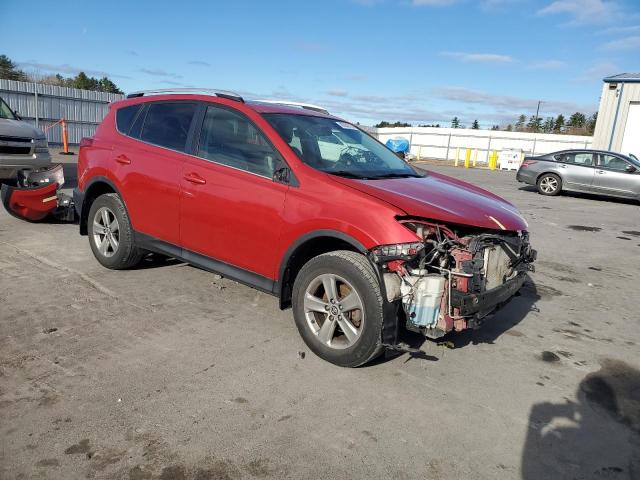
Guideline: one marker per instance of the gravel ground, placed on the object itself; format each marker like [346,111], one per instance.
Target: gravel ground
[169,372]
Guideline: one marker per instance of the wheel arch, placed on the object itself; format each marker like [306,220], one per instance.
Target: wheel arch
[96,187]
[553,172]
[305,248]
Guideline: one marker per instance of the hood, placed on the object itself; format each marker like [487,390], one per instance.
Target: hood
[18,128]
[439,197]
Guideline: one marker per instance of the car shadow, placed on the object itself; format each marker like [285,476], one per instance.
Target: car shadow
[588,196]
[595,436]
[157,260]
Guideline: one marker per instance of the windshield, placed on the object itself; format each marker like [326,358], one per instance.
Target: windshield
[5,111]
[338,147]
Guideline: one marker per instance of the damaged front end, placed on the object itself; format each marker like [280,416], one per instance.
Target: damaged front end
[455,276]
[36,196]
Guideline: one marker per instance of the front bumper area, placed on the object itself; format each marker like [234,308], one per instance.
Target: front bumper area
[474,303]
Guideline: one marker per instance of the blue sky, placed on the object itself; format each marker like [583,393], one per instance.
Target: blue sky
[421,61]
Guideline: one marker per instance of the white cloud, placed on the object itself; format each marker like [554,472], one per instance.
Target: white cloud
[337,93]
[598,71]
[479,57]
[627,43]
[66,68]
[507,103]
[157,72]
[584,12]
[618,30]
[547,65]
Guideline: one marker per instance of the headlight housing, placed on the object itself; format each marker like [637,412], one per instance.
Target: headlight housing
[396,251]
[42,146]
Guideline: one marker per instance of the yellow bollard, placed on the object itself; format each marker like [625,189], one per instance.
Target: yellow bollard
[457,156]
[467,158]
[475,157]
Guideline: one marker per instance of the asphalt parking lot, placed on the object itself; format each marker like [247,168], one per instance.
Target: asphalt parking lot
[169,372]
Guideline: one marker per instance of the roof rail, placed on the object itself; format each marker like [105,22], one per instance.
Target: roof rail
[190,91]
[306,106]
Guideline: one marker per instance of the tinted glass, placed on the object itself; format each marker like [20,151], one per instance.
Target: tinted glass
[337,147]
[167,124]
[125,117]
[5,111]
[136,128]
[612,162]
[231,139]
[578,158]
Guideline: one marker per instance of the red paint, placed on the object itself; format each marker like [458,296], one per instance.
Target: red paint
[32,204]
[251,221]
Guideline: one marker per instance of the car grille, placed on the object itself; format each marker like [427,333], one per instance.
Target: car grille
[15,145]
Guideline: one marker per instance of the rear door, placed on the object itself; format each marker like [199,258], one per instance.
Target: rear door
[612,177]
[231,208]
[147,160]
[576,169]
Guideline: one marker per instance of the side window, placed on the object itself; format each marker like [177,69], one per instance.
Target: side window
[125,117]
[167,124]
[612,162]
[136,128]
[579,158]
[231,139]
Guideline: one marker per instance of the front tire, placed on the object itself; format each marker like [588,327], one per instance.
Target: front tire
[549,184]
[337,307]
[111,235]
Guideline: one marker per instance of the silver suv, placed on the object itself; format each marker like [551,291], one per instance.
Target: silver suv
[21,145]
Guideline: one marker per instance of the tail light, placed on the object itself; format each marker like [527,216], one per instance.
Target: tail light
[528,163]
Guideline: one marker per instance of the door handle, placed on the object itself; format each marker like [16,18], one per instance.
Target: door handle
[195,178]
[563,166]
[123,159]
[600,171]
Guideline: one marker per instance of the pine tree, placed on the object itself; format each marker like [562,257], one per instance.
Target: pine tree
[520,123]
[475,125]
[591,123]
[558,124]
[455,123]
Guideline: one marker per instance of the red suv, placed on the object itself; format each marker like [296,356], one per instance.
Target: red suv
[298,203]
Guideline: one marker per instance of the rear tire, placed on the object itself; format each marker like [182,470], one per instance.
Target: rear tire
[549,184]
[334,293]
[110,233]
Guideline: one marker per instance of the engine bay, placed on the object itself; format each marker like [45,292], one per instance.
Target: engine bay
[454,277]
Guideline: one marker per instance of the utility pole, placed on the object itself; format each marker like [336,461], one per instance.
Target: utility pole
[537,112]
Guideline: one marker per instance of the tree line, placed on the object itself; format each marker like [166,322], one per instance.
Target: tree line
[10,71]
[577,124]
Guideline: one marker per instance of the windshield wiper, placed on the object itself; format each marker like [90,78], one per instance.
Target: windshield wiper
[397,175]
[346,174]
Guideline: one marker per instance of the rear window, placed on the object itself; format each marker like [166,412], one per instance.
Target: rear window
[125,117]
[167,124]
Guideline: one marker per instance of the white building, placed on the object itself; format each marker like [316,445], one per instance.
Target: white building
[618,126]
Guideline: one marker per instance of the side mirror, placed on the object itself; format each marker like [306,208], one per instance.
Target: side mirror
[282,175]
[630,169]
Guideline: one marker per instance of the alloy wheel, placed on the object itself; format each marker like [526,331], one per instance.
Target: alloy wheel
[334,311]
[106,232]
[549,184]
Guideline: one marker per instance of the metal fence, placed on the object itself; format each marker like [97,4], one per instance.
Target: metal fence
[43,105]
[446,143]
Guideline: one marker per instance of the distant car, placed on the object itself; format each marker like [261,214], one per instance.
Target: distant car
[21,145]
[589,171]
